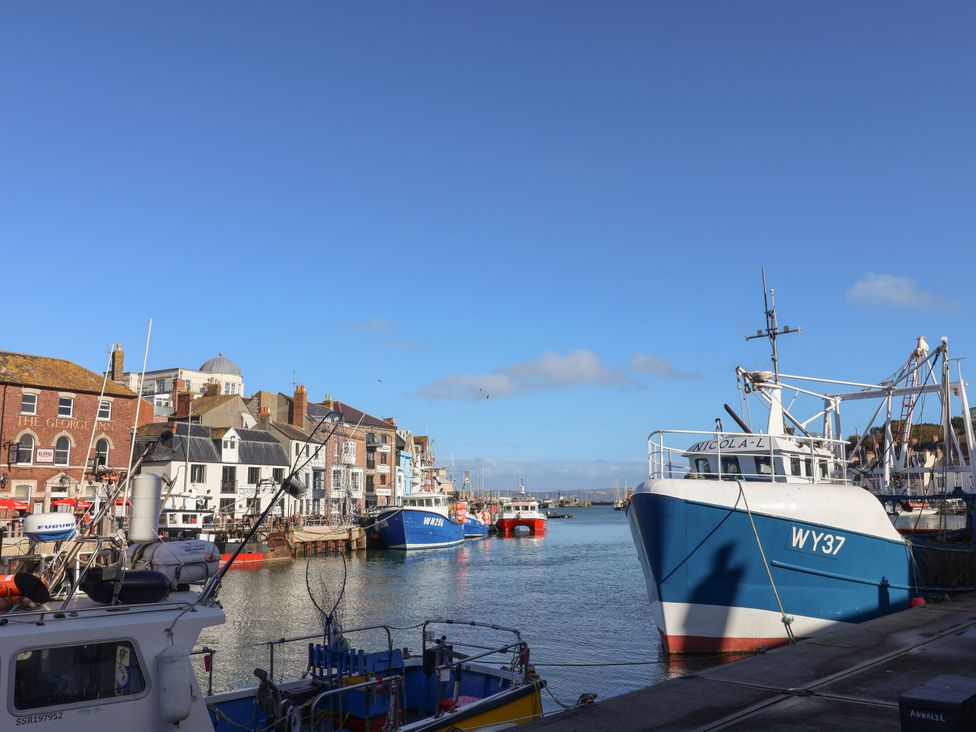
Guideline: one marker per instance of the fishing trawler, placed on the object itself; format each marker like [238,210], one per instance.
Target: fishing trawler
[749,540]
[101,637]
[424,521]
[521,514]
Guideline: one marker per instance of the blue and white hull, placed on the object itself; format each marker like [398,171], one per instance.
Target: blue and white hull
[833,555]
[474,528]
[415,528]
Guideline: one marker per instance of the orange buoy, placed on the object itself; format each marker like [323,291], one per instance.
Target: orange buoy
[917,601]
[25,585]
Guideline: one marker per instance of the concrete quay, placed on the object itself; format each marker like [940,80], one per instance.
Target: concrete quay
[847,679]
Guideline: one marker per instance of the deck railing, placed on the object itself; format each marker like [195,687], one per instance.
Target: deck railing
[779,458]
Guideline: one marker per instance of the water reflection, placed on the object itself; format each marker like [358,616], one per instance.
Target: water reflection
[577,594]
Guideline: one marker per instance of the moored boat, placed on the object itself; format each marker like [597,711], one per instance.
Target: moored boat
[424,521]
[525,514]
[750,540]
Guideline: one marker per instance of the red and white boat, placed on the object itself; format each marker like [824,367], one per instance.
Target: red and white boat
[521,513]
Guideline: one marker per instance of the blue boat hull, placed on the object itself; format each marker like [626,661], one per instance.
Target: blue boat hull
[710,588]
[418,529]
[474,529]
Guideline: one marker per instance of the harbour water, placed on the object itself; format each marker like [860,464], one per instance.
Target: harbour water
[577,594]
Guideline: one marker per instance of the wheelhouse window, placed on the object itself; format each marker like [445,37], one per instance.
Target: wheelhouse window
[822,466]
[795,466]
[28,403]
[66,406]
[104,410]
[730,465]
[701,465]
[25,450]
[62,451]
[764,465]
[76,674]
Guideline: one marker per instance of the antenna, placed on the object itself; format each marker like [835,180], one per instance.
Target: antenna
[772,328]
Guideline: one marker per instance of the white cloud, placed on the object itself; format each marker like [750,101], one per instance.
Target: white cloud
[373,325]
[543,476]
[660,368]
[548,371]
[892,291]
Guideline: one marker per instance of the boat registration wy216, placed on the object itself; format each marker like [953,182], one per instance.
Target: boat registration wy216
[818,542]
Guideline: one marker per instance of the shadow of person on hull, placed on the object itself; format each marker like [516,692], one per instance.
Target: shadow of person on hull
[712,602]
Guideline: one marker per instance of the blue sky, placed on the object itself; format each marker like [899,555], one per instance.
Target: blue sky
[563,205]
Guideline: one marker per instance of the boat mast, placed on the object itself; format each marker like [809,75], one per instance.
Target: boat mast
[772,390]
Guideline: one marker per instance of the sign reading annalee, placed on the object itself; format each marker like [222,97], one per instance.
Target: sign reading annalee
[730,443]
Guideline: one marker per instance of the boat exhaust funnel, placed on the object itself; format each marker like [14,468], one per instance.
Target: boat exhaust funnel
[147,493]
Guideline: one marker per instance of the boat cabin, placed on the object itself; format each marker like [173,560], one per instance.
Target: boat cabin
[426,500]
[763,458]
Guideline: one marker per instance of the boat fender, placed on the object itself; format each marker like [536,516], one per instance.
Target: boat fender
[174,676]
[14,587]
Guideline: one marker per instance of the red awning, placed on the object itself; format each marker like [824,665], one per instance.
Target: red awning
[12,504]
[71,502]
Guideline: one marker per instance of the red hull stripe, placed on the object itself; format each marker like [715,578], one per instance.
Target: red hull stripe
[708,644]
[245,557]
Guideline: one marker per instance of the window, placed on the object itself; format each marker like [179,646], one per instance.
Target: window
[354,481]
[382,478]
[104,410]
[101,452]
[385,439]
[278,475]
[428,502]
[228,479]
[809,467]
[730,465]
[336,479]
[22,493]
[794,466]
[383,458]
[198,473]
[370,460]
[338,448]
[701,466]
[369,483]
[227,507]
[28,403]
[62,451]
[253,475]
[822,464]
[66,406]
[764,465]
[25,450]
[161,385]
[48,677]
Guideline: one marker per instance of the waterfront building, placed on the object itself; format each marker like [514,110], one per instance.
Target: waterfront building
[51,410]
[161,386]
[380,438]
[331,457]
[231,471]
[213,409]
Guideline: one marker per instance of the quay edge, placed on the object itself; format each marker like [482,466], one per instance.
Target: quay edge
[849,678]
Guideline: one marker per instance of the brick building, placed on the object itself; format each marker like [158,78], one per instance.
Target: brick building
[50,411]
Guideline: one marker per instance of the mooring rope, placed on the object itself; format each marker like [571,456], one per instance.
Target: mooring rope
[787,619]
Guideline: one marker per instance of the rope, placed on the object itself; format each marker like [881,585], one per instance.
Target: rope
[787,619]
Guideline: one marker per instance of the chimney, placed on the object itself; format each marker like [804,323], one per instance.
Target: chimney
[264,418]
[300,407]
[329,404]
[179,386]
[183,400]
[118,363]
[212,388]
[391,420]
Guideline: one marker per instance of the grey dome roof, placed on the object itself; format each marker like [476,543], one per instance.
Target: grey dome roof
[220,365]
